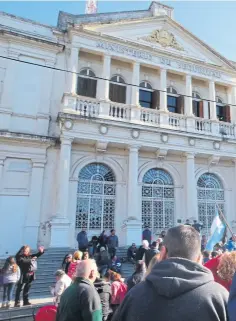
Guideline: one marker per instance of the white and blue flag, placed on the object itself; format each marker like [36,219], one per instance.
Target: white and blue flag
[217,232]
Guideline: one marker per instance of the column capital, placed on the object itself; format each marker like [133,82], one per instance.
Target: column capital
[39,163]
[106,56]
[190,155]
[188,77]
[66,140]
[134,148]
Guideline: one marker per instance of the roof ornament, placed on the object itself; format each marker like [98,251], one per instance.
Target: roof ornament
[164,38]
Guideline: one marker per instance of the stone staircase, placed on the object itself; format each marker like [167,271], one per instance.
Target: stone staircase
[47,265]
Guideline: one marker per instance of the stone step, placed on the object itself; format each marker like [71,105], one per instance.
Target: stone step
[22,313]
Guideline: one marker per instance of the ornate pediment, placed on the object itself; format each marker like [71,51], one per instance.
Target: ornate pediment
[164,38]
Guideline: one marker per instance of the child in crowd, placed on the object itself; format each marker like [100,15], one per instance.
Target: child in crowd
[77,257]
[11,275]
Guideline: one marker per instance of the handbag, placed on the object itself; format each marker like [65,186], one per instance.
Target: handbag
[33,265]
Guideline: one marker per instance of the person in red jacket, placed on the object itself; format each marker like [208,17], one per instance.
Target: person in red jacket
[77,257]
[223,268]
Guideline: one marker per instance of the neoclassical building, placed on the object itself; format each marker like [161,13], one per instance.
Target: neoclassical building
[112,120]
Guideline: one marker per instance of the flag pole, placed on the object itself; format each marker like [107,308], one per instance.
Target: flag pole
[224,219]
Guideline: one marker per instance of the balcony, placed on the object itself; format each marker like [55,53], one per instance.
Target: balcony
[92,108]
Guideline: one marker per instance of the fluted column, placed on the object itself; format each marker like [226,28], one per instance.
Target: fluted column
[135,84]
[60,222]
[163,90]
[212,97]
[188,97]
[73,70]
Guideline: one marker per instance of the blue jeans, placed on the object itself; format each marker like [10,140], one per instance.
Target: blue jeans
[8,291]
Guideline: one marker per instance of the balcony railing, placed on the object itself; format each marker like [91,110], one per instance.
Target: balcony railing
[89,107]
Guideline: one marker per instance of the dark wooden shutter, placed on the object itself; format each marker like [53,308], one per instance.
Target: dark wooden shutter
[201,112]
[180,105]
[227,115]
[209,110]
[117,93]
[92,88]
[82,86]
[155,99]
[112,92]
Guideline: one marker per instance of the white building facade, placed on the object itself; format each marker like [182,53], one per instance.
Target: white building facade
[115,120]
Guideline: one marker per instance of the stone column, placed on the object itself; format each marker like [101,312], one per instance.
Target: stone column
[73,70]
[31,228]
[106,74]
[132,199]
[212,97]
[163,90]
[60,223]
[188,98]
[135,84]
[191,187]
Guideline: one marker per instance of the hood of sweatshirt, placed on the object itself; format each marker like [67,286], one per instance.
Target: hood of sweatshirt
[175,276]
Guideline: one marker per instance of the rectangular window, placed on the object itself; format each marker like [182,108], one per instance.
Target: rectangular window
[145,98]
[196,111]
[172,104]
[220,113]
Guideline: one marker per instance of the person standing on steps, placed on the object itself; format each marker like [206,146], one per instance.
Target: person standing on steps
[11,275]
[147,235]
[82,240]
[113,243]
[28,266]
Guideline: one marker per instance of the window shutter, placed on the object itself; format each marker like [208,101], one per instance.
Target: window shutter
[201,113]
[111,92]
[156,99]
[117,93]
[227,114]
[92,88]
[122,98]
[209,110]
[180,105]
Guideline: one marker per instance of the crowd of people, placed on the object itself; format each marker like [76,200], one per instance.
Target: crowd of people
[169,271]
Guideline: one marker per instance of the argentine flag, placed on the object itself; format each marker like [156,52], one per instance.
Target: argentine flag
[217,233]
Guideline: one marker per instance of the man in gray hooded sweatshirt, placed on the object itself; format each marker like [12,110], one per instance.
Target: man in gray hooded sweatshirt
[178,288]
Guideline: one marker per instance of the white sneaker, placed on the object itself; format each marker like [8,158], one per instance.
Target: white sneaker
[8,305]
[3,305]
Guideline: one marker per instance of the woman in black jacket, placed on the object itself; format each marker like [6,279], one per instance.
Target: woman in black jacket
[26,262]
[104,290]
[138,275]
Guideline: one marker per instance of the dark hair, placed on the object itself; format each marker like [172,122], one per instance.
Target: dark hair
[206,254]
[112,230]
[214,254]
[139,267]
[154,244]
[182,241]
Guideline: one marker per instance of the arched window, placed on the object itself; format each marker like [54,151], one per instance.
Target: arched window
[145,95]
[158,200]
[96,198]
[87,84]
[172,100]
[117,89]
[197,105]
[210,193]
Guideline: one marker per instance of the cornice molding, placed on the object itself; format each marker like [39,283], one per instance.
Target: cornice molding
[47,140]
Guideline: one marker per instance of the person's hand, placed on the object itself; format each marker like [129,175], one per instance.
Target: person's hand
[41,249]
[34,258]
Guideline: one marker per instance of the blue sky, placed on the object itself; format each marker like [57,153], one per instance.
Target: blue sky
[212,21]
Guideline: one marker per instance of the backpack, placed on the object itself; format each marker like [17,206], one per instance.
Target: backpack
[46,313]
[33,266]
